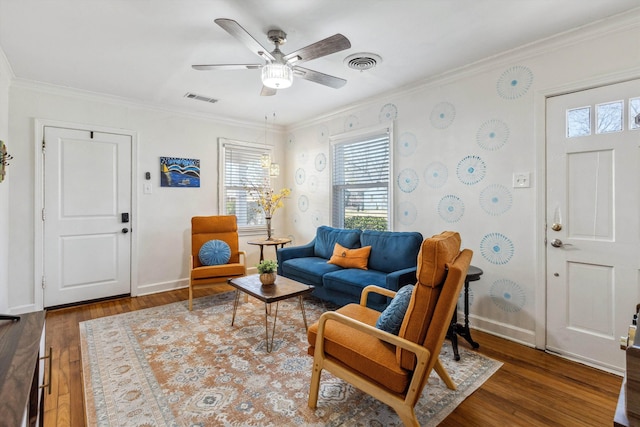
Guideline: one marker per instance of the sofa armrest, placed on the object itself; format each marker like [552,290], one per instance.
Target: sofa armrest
[284,254]
[400,278]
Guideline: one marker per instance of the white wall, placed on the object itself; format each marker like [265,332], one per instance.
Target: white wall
[5,78]
[163,217]
[506,300]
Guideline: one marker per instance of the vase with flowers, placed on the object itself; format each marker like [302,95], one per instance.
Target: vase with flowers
[267,269]
[268,200]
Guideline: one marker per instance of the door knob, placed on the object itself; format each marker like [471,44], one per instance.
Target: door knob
[557,243]
[126,230]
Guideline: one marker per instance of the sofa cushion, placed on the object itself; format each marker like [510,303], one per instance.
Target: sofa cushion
[350,258]
[352,281]
[310,268]
[327,237]
[391,250]
[390,319]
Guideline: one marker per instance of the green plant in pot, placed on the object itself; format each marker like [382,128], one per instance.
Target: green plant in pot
[267,270]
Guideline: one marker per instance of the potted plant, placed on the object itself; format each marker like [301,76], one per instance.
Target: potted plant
[267,269]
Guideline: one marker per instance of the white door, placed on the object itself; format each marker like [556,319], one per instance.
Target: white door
[593,237]
[87,189]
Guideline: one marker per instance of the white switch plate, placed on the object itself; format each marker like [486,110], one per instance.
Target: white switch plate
[147,188]
[521,180]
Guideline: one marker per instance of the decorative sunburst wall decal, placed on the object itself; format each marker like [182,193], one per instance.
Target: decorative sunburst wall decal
[436,174]
[407,144]
[313,183]
[407,180]
[351,122]
[300,176]
[303,203]
[321,162]
[451,208]
[471,170]
[406,213]
[388,113]
[442,115]
[316,218]
[496,199]
[323,134]
[514,82]
[291,141]
[493,134]
[507,295]
[496,248]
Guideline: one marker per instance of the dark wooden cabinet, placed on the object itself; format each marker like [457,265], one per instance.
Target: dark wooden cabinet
[20,347]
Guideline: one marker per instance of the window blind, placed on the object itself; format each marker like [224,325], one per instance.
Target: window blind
[360,182]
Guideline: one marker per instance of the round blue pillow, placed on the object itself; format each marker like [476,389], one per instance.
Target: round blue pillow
[391,318]
[214,252]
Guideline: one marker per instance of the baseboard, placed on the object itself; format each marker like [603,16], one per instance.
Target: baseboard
[499,329]
[154,288]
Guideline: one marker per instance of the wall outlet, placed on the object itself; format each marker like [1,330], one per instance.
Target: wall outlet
[147,188]
[521,180]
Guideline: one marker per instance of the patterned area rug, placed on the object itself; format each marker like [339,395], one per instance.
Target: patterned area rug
[166,366]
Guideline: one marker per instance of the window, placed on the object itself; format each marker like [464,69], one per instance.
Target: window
[239,169]
[361,176]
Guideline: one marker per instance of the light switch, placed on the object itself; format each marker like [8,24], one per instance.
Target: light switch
[147,188]
[521,180]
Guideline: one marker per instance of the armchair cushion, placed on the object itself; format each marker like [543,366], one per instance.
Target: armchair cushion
[391,318]
[350,258]
[214,252]
[370,356]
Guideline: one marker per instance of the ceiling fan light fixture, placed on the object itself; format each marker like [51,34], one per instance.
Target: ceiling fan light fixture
[277,76]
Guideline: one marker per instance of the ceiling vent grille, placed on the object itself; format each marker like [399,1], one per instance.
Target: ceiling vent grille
[362,61]
[200,97]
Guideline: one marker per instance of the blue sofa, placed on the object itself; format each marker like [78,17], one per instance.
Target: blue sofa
[392,263]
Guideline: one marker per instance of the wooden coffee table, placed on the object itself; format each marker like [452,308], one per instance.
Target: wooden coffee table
[284,288]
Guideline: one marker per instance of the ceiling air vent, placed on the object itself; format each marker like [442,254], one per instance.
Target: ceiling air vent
[362,61]
[200,97]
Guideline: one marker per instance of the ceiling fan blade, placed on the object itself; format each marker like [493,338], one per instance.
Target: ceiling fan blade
[333,44]
[207,67]
[267,91]
[236,30]
[318,77]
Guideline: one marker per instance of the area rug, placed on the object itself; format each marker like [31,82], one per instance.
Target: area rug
[167,366]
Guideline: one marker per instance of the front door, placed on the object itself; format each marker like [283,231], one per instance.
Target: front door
[593,236]
[87,208]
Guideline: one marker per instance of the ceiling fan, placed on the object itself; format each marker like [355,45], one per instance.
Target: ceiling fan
[279,69]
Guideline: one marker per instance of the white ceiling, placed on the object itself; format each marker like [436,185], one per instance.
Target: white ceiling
[143,50]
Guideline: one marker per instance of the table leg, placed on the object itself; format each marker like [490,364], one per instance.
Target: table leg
[466,332]
[269,343]
[304,314]
[453,333]
[235,306]
[261,253]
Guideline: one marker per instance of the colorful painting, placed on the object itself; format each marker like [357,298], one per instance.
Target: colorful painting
[179,172]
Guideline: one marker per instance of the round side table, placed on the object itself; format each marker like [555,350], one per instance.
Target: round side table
[274,241]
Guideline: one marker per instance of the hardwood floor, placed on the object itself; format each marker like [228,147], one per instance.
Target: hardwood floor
[532,388]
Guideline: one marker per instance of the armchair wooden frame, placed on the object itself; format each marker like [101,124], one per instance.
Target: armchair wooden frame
[403,405]
[425,347]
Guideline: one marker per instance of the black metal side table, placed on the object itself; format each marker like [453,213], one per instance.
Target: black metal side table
[456,329]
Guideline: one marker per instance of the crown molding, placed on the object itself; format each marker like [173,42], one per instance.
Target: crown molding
[594,30]
[131,103]
[5,68]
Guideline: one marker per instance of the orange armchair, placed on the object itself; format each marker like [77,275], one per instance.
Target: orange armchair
[204,229]
[394,369]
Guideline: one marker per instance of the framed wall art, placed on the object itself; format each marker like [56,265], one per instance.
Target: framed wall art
[179,172]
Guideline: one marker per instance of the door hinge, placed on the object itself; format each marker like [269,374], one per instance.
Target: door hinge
[44,145]
[43,215]
[44,282]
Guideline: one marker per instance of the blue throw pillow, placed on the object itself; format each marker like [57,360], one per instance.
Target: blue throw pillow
[214,252]
[391,318]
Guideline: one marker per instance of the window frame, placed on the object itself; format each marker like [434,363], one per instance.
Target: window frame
[225,144]
[357,136]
